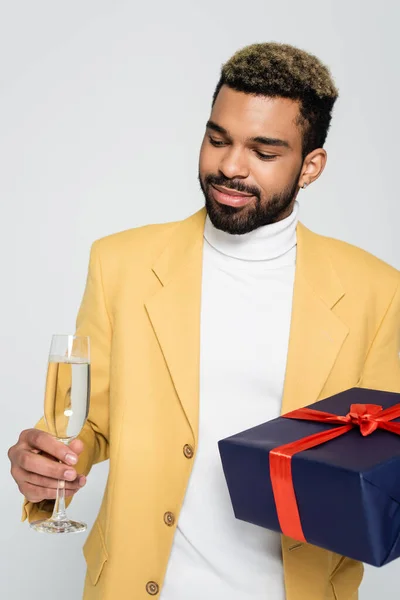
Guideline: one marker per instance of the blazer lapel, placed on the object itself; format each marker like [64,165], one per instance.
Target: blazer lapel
[316,333]
[174,311]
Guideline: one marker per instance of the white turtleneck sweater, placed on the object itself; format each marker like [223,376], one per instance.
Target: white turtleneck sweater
[246,307]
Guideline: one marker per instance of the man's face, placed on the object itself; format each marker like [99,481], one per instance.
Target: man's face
[251,145]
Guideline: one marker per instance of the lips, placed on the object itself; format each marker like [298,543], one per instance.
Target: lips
[230,197]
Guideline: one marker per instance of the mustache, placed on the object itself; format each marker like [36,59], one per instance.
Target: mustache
[231,185]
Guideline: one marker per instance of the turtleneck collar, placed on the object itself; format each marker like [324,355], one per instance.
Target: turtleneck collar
[265,243]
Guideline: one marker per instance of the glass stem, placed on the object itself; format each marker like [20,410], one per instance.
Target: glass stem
[59,513]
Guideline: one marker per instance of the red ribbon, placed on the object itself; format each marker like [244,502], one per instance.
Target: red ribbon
[368,417]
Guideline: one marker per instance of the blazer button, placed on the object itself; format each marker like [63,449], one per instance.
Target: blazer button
[169,519]
[152,588]
[188,451]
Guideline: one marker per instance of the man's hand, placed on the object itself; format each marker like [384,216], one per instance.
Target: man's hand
[36,469]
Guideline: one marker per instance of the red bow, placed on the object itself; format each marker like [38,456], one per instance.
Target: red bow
[368,417]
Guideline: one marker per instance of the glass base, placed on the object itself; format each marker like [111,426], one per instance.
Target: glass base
[52,526]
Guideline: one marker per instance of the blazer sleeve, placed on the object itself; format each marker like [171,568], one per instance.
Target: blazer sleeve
[93,320]
[381,371]
[382,364]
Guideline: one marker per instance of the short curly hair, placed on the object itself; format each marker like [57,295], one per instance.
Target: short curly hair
[280,70]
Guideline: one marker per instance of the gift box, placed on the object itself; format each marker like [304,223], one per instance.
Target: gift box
[342,494]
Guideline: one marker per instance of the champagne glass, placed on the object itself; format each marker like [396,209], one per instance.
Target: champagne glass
[66,407]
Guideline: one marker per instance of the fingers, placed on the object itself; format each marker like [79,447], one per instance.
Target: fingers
[36,467]
[47,482]
[40,440]
[39,464]
[76,446]
[36,487]
[35,493]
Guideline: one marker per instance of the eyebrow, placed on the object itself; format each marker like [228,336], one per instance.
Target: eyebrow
[260,139]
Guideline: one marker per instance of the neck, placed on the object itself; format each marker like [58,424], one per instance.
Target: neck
[264,243]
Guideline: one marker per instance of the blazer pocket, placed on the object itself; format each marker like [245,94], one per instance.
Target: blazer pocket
[95,553]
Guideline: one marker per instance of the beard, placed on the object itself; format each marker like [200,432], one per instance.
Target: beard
[241,220]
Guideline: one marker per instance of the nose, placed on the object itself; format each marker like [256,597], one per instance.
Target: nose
[233,164]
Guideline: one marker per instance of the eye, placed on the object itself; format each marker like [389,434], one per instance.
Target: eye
[216,143]
[262,156]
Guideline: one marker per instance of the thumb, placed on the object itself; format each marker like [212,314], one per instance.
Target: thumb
[76,446]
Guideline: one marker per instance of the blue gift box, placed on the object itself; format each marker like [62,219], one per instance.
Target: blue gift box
[347,489]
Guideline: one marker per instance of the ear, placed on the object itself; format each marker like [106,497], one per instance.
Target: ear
[313,165]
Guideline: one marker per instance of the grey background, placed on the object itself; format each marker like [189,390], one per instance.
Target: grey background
[102,110]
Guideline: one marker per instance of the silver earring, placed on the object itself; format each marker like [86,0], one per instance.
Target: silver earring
[304,186]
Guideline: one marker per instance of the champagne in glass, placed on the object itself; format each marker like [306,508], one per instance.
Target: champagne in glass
[66,407]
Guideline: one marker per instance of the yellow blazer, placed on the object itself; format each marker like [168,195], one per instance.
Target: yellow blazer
[141,309]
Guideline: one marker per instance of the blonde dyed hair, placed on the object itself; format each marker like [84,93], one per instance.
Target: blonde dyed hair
[280,70]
